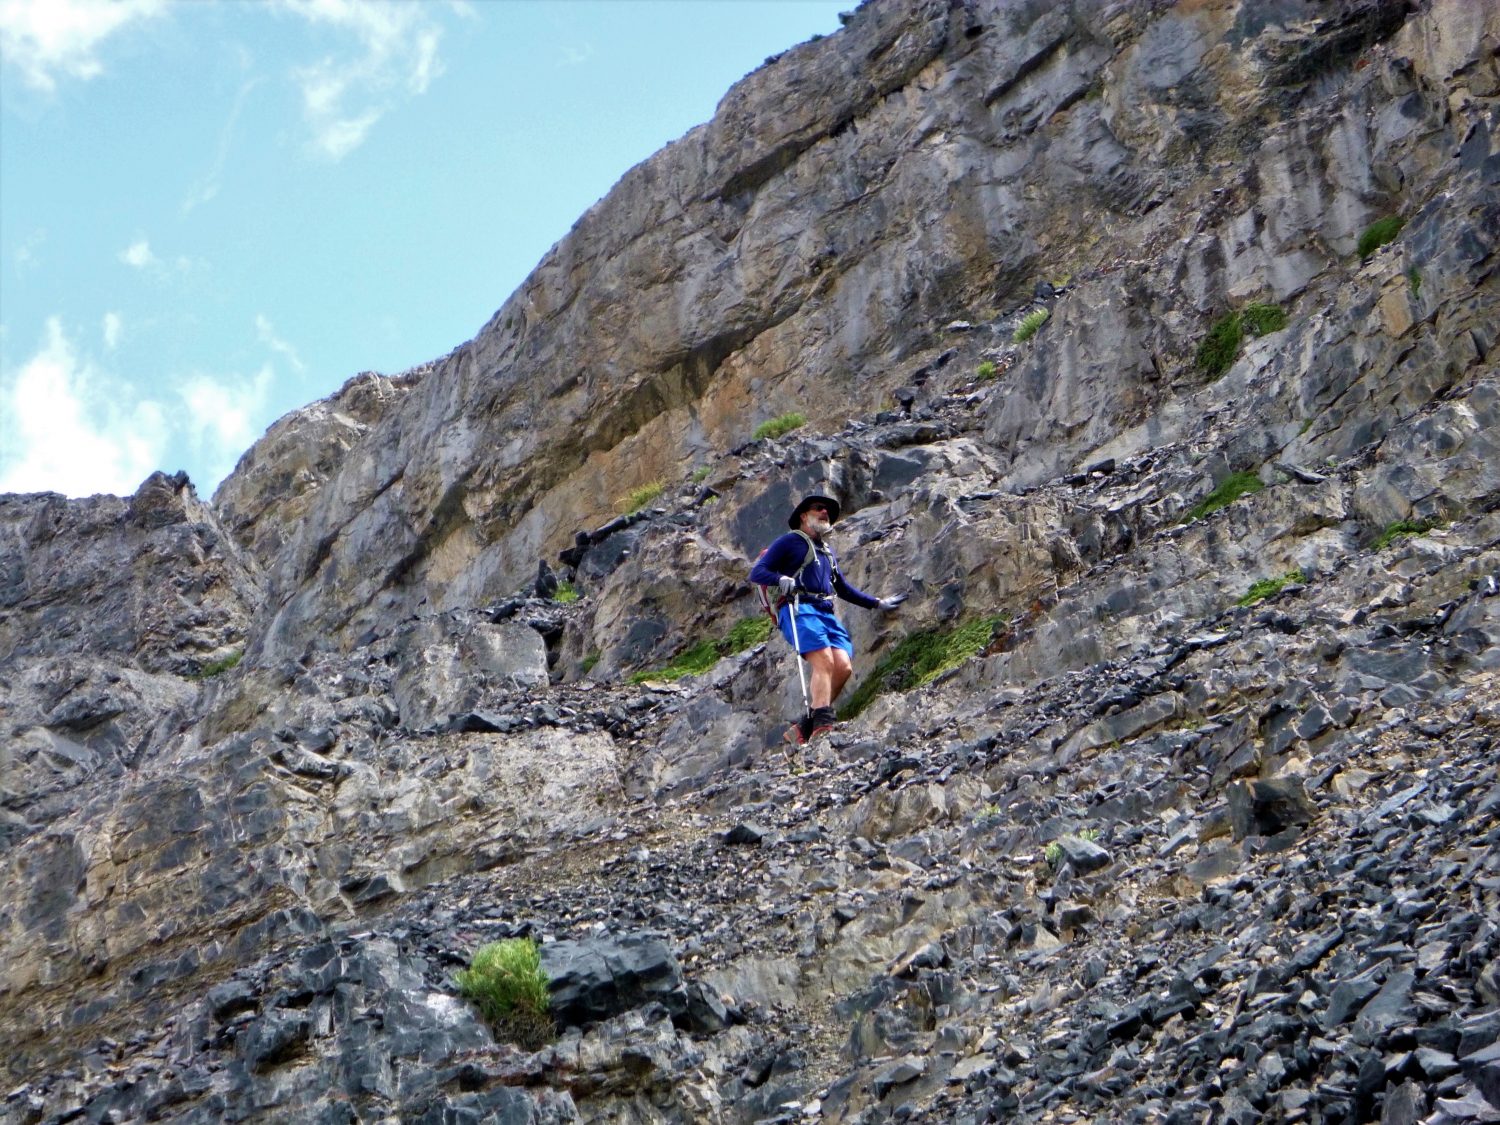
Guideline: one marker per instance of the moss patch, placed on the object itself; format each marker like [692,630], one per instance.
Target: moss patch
[1230,489]
[1268,586]
[1217,352]
[747,632]
[922,658]
[1403,529]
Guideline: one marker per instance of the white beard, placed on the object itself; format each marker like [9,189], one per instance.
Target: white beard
[819,526]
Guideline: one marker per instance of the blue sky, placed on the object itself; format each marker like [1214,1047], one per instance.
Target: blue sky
[216,211]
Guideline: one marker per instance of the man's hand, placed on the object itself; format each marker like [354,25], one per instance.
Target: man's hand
[893,601]
[786,584]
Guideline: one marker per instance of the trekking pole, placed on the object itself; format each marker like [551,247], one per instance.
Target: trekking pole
[797,654]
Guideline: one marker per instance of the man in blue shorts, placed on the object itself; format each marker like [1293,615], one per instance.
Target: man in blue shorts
[802,568]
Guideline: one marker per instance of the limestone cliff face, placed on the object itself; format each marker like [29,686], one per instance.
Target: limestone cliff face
[802,250]
[1203,826]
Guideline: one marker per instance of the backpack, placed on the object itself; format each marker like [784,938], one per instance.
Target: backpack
[765,591]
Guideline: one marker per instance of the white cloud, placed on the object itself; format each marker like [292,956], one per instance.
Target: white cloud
[139,255]
[51,39]
[224,417]
[208,187]
[267,336]
[344,97]
[69,427]
[26,253]
[111,328]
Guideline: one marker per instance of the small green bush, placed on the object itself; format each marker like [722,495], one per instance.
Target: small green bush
[636,499]
[1378,233]
[1053,852]
[1403,529]
[985,370]
[590,660]
[1267,586]
[1414,278]
[1029,324]
[1260,319]
[1217,351]
[505,980]
[567,593]
[747,632]
[700,474]
[1228,490]
[777,427]
[922,658]
[218,667]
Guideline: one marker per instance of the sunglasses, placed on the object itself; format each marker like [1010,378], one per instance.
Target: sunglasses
[818,508]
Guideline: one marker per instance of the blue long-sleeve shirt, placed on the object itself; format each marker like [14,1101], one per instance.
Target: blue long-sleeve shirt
[821,577]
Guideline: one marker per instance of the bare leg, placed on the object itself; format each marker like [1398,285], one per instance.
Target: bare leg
[829,670]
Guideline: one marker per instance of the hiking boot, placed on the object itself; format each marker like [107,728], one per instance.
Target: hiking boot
[820,722]
[797,733]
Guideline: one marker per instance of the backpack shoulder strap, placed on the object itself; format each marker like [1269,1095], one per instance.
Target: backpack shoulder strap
[812,553]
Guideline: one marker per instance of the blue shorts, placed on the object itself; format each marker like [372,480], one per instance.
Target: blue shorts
[816,629]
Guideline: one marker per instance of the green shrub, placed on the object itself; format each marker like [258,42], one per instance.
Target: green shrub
[1217,351]
[636,499]
[218,667]
[1267,586]
[1414,278]
[1230,489]
[776,427]
[700,474]
[1378,233]
[1403,529]
[590,660]
[922,658]
[985,370]
[1029,324]
[1260,319]
[506,982]
[1053,852]
[747,632]
[567,593]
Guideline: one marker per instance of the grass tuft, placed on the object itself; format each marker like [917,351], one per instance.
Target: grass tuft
[637,498]
[778,427]
[922,658]
[1029,324]
[1217,351]
[1414,279]
[700,474]
[567,593]
[1378,233]
[985,370]
[505,980]
[747,632]
[1264,588]
[219,667]
[1260,319]
[590,660]
[1228,490]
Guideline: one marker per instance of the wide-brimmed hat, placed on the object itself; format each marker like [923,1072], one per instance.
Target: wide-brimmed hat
[794,521]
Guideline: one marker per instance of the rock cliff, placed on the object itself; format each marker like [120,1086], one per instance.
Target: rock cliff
[1151,348]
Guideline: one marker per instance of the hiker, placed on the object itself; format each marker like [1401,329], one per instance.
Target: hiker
[806,576]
